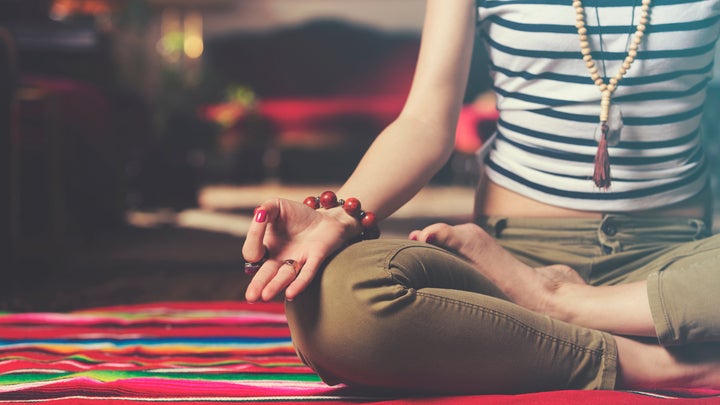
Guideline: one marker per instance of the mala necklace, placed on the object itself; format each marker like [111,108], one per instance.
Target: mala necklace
[610,117]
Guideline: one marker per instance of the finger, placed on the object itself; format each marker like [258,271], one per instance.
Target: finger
[304,277]
[253,249]
[286,273]
[414,235]
[260,280]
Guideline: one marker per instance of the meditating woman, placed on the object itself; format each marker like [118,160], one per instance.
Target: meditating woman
[591,264]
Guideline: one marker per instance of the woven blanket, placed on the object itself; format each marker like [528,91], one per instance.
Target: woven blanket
[200,353]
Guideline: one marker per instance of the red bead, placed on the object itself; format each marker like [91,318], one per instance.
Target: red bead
[372,233]
[352,206]
[328,199]
[311,202]
[368,220]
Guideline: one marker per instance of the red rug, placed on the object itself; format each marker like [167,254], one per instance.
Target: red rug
[202,353]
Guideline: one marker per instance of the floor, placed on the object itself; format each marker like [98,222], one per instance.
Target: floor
[193,254]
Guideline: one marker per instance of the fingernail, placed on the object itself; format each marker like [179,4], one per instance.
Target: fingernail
[431,239]
[260,215]
[413,237]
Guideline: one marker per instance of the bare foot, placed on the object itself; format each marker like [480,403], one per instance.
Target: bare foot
[559,273]
[650,366]
[532,288]
[557,290]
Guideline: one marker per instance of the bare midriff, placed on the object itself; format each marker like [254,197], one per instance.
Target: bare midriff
[494,200]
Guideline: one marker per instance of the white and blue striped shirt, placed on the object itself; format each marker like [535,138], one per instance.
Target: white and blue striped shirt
[549,106]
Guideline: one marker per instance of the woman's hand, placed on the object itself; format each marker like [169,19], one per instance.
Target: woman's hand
[297,239]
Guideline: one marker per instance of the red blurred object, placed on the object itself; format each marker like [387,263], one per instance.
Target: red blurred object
[225,114]
[65,8]
[476,123]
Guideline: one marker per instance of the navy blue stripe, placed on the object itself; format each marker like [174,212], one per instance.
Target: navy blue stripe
[544,75]
[665,95]
[586,3]
[552,28]
[545,135]
[659,120]
[500,3]
[565,156]
[533,99]
[531,53]
[689,155]
[600,195]
[627,81]
[658,54]
[685,139]
[610,29]
[630,3]
[653,95]
[681,26]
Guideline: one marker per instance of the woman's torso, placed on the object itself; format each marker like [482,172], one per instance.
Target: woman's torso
[494,200]
[548,107]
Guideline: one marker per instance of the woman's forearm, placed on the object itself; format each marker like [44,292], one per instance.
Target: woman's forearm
[398,164]
[415,146]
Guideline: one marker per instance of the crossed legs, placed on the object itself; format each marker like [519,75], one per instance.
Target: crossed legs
[558,291]
[409,316]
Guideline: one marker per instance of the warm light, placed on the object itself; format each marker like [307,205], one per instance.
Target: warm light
[62,9]
[180,34]
[171,40]
[193,45]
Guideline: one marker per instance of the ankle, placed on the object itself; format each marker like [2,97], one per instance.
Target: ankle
[649,365]
[563,301]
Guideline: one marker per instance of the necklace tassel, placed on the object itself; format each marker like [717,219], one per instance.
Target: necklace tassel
[601,175]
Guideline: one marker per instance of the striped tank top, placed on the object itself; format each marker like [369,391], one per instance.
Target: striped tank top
[549,107]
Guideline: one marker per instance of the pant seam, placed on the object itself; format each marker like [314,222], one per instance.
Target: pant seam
[663,306]
[394,252]
[514,321]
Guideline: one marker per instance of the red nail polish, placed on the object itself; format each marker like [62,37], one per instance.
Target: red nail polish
[260,215]
[413,237]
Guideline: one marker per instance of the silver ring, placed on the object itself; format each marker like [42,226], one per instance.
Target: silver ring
[293,265]
[252,267]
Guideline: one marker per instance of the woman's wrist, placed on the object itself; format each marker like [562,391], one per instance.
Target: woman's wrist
[351,227]
[359,224]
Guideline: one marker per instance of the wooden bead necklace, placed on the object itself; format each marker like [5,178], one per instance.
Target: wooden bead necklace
[610,117]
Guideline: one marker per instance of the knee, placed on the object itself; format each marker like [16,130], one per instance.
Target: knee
[344,288]
[340,316]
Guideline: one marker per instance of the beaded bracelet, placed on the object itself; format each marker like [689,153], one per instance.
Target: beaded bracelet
[353,207]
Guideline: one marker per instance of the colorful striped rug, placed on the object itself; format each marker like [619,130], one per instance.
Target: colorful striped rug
[199,353]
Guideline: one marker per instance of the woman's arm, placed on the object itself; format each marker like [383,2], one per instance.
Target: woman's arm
[398,164]
[415,146]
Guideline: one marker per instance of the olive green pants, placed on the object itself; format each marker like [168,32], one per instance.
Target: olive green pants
[409,316]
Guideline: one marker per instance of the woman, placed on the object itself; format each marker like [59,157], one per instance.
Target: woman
[583,271]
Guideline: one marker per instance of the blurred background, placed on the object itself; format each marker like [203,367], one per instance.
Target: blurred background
[138,135]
